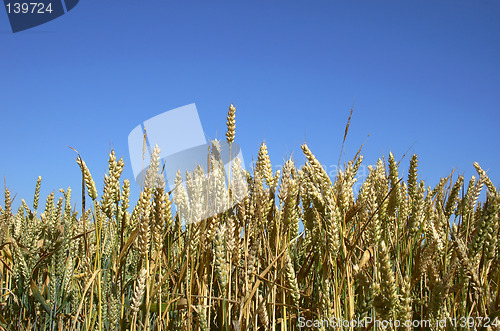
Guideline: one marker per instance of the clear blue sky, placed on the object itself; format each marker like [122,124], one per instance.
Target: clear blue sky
[423,75]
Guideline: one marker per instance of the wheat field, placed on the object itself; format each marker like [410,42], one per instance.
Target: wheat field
[297,250]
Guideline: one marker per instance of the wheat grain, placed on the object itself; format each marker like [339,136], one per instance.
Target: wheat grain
[231,124]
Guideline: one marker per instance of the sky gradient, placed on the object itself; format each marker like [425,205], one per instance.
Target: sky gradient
[423,76]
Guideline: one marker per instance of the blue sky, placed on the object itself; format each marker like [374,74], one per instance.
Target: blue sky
[423,76]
